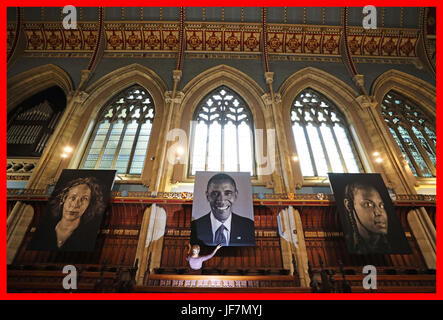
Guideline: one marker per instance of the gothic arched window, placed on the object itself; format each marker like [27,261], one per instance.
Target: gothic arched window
[222,134]
[413,131]
[32,123]
[121,136]
[322,136]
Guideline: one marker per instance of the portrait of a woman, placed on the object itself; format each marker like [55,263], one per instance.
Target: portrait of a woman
[72,218]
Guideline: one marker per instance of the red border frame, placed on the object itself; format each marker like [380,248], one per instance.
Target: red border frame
[201,296]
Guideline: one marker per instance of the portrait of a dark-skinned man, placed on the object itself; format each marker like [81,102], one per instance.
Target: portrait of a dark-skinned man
[74,211]
[222,211]
[367,215]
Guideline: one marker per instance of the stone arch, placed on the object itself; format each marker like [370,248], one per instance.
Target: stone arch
[196,89]
[31,82]
[417,90]
[99,93]
[333,88]
[112,83]
[338,92]
[210,79]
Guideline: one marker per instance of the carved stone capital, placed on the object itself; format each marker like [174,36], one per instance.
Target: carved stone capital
[70,95]
[269,76]
[176,75]
[177,99]
[366,101]
[418,64]
[267,99]
[85,74]
[391,185]
[80,97]
[359,80]
[168,98]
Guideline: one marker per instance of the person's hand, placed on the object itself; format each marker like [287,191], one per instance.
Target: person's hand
[218,247]
[189,245]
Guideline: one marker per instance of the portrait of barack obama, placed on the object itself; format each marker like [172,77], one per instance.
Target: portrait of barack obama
[221,225]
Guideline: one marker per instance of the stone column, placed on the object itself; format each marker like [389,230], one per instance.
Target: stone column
[392,167]
[47,170]
[398,178]
[162,167]
[425,235]
[282,155]
[18,223]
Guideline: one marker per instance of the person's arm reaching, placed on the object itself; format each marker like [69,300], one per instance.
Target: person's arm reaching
[189,249]
[209,256]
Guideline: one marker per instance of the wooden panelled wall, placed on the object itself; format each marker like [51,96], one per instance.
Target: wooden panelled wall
[266,253]
[325,242]
[115,246]
[117,241]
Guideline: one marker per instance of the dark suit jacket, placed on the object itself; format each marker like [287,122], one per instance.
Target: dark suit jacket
[242,231]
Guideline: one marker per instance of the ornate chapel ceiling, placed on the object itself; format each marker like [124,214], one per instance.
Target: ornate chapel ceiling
[228,32]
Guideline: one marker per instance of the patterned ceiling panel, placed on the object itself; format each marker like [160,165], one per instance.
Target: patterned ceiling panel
[390,17]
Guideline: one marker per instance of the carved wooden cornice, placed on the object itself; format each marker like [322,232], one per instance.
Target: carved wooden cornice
[272,199]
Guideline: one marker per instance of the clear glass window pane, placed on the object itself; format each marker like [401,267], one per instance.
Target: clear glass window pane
[230,123]
[346,150]
[96,146]
[230,147]
[302,150]
[199,148]
[122,115]
[317,150]
[126,147]
[309,110]
[214,147]
[111,146]
[245,148]
[141,149]
[334,157]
